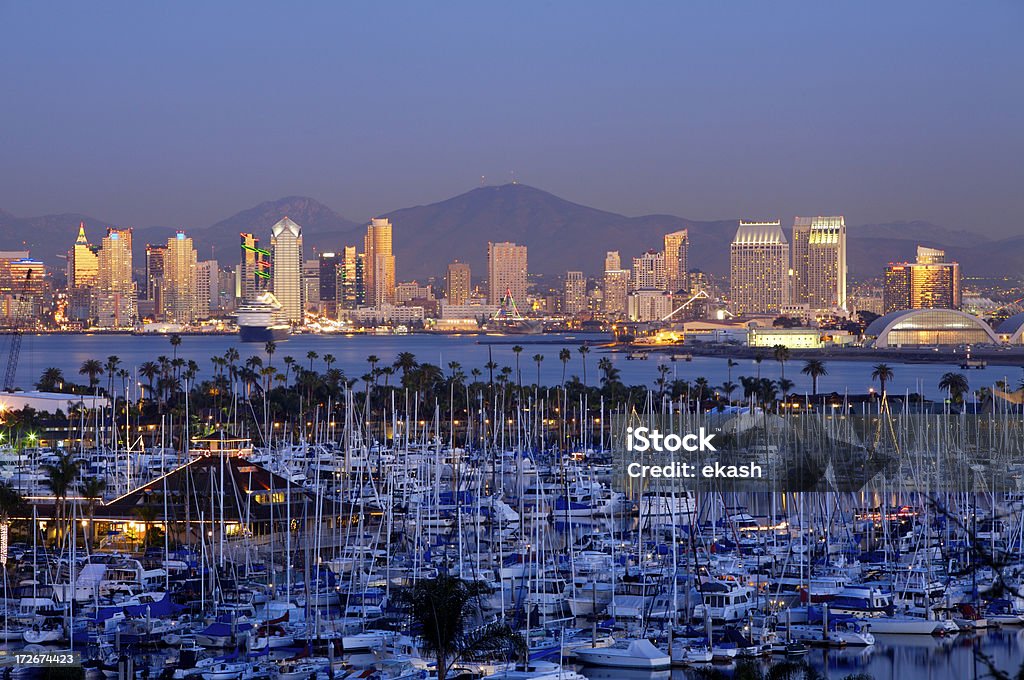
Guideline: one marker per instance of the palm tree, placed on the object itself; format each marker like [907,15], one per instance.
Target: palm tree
[785,385]
[728,387]
[92,368]
[517,350]
[148,514]
[92,492]
[11,503]
[175,341]
[537,358]
[311,355]
[440,608]
[60,477]
[758,358]
[51,380]
[883,374]
[584,351]
[956,384]
[814,368]
[270,348]
[405,361]
[329,360]
[110,367]
[729,365]
[781,353]
[150,370]
[564,355]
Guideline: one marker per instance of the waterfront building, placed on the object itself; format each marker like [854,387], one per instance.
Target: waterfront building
[458,283]
[819,263]
[155,273]
[286,269]
[575,293]
[379,274]
[929,327]
[83,261]
[115,295]
[793,338]
[759,268]
[649,305]
[253,273]
[207,288]
[327,282]
[23,287]
[929,282]
[506,271]
[388,314]
[479,311]
[351,287]
[311,285]
[616,292]
[179,290]
[677,247]
[649,271]
[1011,330]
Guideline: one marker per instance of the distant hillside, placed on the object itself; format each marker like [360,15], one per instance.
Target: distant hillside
[561,235]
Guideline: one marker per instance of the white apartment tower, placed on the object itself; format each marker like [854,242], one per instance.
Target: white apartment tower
[286,268]
[575,293]
[506,271]
[759,268]
[819,262]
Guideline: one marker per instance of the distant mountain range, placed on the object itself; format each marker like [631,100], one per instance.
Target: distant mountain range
[561,235]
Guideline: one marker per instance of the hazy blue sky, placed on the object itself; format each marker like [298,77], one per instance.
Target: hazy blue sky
[182,113]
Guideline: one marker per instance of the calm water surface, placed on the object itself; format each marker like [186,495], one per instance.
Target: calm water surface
[67,352]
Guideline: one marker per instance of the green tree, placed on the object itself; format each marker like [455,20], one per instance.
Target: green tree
[92,368]
[440,609]
[60,478]
[564,355]
[538,358]
[956,384]
[814,368]
[883,374]
[781,354]
[584,351]
[51,380]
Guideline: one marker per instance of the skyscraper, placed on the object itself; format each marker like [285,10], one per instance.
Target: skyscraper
[179,280]
[616,285]
[328,282]
[253,273]
[575,293]
[649,271]
[458,283]
[819,262]
[351,291]
[115,288]
[677,248]
[759,268]
[286,268]
[207,288]
[83,262]
[506,271]
[930,282]
[155,274]
[379,274]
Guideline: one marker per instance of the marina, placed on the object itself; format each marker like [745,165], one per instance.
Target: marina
[271,518]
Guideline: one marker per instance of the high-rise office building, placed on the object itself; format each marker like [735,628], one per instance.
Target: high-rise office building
[155,274]
[207,288]
[83,262]
[115,297]
[649,271]
[759,268]
[506,272]
[328,282]
[612,261]
[930,282]
[616,286]
[311,285]
[819,262]
[253,273]
[458,283]
[677,249]
[379,273]
[179,280]
[286,269]
[351,289]
[575,293]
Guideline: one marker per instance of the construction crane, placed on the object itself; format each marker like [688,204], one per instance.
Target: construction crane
[12,360]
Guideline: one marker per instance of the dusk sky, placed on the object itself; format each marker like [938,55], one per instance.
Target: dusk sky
[180,114]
